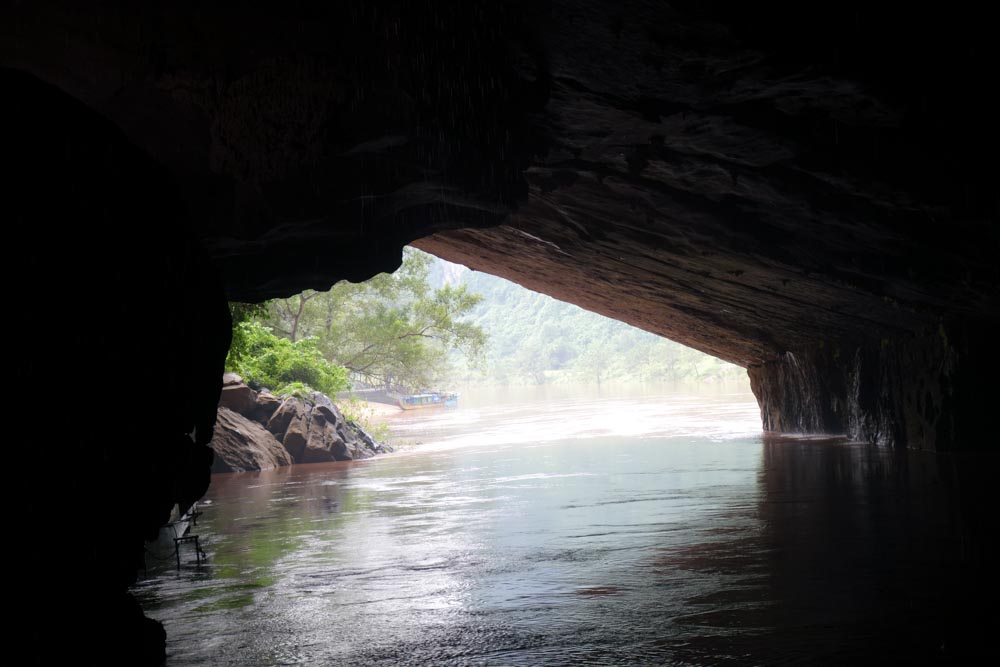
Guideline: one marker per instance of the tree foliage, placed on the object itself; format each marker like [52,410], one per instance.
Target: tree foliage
[393,331]
[240,314]
[408,330]
[282,365]
[535,339]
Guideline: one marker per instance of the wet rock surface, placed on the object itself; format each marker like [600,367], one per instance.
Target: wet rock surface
[241,444]
[299,430]
[238,398]
[933,390]
[265,406]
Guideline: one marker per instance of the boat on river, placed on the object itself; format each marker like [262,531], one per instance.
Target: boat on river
[433,399]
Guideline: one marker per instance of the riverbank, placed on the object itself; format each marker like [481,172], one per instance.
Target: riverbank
[256,430]
[377,412]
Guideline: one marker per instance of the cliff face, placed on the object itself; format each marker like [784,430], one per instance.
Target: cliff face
[808,192]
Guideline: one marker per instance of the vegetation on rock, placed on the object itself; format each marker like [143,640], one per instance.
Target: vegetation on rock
[284,366]
[393,331]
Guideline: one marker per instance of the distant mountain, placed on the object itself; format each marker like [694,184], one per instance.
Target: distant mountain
[535,339]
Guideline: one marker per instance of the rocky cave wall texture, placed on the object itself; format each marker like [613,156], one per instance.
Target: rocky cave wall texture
[806,190]
[123,333]
[766,184]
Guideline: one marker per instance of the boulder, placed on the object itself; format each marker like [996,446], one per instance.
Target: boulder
[238,398]
[322,400]
[231,378]
[241,444]
[289,409]
[369,443]
[347,433]
[296,436]
[308,431]
[345,428]
[267,405]
[330,412]
[324,443]
[361,452]
[326,411]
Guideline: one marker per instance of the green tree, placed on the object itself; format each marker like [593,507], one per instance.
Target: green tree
[283,365]
[594,364]
[530,363]
[393,331]
[534,338]
[240,314]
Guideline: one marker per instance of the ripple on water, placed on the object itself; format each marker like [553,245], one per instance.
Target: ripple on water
[606,549]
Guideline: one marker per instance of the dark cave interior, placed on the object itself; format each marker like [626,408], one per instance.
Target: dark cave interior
[808,191]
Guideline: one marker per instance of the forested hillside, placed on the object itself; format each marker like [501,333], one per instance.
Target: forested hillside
[535,339]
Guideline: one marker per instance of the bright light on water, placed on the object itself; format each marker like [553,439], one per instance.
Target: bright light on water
[639,530]
[528,416]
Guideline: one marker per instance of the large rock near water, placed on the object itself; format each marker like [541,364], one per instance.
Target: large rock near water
[324,442]
[267,405]
[241,444]
[297,434]
[326,436]
[289,409]
[237,396]
[311,430]
[355,445]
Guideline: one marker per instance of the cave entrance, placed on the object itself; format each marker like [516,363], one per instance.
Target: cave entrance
[808,199]
[578,509]
[378,355]
[565,528]
[562,393]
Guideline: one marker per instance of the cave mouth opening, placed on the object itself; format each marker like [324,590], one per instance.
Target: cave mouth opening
[410,532]
[466,328]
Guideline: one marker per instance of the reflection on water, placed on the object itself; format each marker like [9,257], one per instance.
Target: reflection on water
[664,535]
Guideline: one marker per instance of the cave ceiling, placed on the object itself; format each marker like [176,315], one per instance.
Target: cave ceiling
[744,180]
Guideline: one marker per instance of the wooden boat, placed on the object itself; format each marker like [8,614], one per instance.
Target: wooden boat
[434,399]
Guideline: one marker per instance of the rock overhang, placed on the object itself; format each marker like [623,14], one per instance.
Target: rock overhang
[808,190]
[759,184]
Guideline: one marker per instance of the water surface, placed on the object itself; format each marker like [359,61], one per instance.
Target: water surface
[573,530]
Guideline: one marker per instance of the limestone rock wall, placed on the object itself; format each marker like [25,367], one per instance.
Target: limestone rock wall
[933,390]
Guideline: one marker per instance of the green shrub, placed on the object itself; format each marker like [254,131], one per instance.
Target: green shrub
[296,389]
[284,366]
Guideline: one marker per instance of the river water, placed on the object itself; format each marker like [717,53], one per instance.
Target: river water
[564,529]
